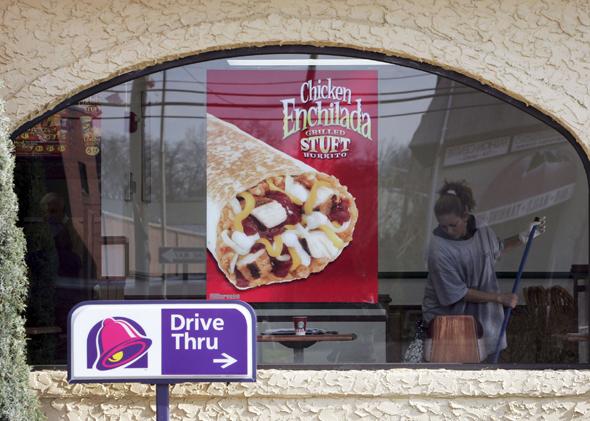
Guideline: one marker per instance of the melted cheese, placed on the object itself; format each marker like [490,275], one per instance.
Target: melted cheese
[293,198]
[272,186]
[319,193]
[270,214]
[340,228]
[320,246]
[249,259]
[315,219]
[324,193]
[244,241]
[301,231]
[296,261]
[235,205]
[296,190]
[249,203]
[337,241]
[229,242]
[292,242]
[232,263]
[239,242]
[275,249]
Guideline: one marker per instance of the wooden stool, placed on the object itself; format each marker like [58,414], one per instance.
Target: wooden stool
[454,340]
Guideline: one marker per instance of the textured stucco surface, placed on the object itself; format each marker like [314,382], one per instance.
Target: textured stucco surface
[536,50]
[327,395]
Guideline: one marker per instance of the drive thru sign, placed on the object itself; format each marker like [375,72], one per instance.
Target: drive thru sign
[161,341]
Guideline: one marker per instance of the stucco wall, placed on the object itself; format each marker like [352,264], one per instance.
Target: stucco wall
[535,50]
[329,395]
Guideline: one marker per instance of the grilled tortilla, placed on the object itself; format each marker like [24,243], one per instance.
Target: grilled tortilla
[270,217]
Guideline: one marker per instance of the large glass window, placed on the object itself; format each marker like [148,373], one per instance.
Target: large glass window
[307,185]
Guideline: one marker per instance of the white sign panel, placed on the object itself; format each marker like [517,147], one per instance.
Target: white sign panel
[525,141]
[527,206]
[475,151]
[161,341]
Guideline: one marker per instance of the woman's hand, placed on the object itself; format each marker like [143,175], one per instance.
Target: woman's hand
[507,300]
[541,225]
[477,296]
[523,236]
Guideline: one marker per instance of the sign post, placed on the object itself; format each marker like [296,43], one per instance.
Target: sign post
[161,342]
[162,402]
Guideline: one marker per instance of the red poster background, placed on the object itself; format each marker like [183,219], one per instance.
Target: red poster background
[251,99]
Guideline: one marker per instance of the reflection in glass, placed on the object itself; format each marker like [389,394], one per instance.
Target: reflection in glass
[112,195]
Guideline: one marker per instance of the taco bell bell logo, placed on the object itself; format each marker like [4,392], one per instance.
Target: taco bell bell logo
[117,342]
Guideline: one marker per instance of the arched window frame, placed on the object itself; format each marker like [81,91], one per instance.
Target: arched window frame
[346,52]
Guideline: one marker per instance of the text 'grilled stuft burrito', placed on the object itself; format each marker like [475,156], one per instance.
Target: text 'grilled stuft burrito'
[270,217]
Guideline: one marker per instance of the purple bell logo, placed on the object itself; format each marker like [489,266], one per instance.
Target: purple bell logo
[116,342]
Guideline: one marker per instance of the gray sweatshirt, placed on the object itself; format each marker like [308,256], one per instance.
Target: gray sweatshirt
[456,265]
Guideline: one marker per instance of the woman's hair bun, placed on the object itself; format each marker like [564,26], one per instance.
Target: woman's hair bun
[455,197]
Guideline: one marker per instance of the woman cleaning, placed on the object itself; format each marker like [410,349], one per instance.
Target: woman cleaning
[461,259]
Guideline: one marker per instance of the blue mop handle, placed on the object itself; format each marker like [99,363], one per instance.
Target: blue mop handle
[508,310]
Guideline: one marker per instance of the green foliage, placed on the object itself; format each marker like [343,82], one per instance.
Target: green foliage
[16,399]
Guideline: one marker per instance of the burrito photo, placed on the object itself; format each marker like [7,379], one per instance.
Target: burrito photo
[270,217]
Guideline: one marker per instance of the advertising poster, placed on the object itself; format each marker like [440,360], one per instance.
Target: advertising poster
[46,139]
[50,136]
[292,185]
[90,126]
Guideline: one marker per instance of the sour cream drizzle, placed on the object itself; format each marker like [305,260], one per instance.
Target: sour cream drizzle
[292,242]
[239,242]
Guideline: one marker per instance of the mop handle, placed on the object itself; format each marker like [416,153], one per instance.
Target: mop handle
[508,310]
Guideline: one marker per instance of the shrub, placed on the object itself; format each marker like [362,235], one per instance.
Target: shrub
[17,402]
